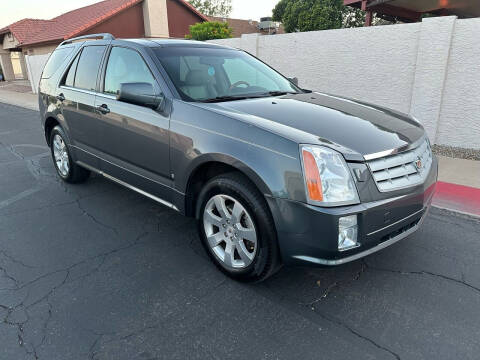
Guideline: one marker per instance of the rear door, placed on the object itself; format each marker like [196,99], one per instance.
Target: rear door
[78,91]
[135,139]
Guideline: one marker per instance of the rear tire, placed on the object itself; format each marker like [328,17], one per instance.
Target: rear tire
[62,160]
[237,229]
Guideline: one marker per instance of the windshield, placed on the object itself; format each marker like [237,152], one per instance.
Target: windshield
[209,74]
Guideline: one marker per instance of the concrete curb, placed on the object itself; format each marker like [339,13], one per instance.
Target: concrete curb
[19,105]
[25,100]
[456,212]
[460,198]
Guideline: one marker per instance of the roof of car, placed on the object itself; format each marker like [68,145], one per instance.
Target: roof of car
[159,42]
[146,42]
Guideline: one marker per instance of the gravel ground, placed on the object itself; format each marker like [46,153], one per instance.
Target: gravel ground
[456,152]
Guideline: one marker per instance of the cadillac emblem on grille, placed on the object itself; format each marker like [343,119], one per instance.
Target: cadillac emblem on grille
[418,164]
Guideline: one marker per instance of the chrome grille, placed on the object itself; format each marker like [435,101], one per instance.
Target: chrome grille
[402,170]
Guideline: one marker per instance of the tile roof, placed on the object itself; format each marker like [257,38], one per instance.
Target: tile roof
[78,21]
[73,23]
[24,28]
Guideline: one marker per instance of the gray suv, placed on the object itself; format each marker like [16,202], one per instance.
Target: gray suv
[273,173]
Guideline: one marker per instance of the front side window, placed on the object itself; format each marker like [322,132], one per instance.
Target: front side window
[206,74]
[125,66]
[87,68]
[55,61]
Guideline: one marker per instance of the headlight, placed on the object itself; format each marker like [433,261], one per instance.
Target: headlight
[328,179]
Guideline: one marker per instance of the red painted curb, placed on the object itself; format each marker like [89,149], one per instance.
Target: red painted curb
[457,197]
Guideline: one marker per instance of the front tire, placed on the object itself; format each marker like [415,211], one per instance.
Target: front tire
[66,168]
[236,228]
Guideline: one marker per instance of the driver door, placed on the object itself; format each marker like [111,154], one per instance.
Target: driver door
[135,138]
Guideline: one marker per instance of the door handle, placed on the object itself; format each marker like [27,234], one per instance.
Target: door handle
[60,97]
[103,109]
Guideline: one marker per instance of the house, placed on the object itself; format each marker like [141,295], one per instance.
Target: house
[265,26]
[32,40]
[413,10]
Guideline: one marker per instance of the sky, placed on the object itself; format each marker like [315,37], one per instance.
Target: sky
[14,10]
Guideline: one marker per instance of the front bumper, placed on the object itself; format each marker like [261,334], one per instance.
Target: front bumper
[309,234]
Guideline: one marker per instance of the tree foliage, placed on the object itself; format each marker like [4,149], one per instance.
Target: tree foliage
[220,8]
[352,17]
[210,31]
[310,15]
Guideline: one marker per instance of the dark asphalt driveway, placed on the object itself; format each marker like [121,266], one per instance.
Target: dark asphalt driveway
[96,271]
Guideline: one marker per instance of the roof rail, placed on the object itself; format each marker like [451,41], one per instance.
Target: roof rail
[103,36]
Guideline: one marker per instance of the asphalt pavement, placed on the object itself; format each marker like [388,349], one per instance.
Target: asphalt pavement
[96,271]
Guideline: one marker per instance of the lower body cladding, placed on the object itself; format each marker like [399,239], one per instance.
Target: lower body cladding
[309,235]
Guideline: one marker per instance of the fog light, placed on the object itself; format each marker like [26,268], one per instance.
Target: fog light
[347,232]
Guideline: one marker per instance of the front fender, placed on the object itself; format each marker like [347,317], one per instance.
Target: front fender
[270,161]
[203,159]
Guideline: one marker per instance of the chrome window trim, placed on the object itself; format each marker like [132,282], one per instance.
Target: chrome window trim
[106,96]
[89,92]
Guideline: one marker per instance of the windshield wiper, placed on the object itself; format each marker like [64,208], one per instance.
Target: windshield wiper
[279,93]
[243,97]
[226,98]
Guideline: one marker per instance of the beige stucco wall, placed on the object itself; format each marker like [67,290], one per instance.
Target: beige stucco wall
[6,63]
[155,18]
[39,50]
[17,68]
[9,41]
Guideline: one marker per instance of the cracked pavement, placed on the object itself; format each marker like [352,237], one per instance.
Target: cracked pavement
[96,271]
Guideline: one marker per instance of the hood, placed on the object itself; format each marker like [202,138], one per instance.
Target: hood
[345,124]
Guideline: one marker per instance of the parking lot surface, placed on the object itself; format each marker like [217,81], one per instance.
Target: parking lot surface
[96,271]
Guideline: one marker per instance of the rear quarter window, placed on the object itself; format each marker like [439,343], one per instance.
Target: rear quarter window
[55,61]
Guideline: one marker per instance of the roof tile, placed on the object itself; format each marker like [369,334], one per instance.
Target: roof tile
[73,23]
[24,28]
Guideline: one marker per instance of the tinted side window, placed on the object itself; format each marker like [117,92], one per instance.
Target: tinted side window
[55,60]
[88,65]
[70,78]
[125,66]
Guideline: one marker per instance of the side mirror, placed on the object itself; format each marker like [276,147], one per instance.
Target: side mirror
[294,80]
[142,94]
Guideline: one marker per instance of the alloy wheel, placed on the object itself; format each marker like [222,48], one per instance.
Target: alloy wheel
[230,232]
[60,154]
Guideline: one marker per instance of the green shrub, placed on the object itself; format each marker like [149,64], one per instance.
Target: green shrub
[209,31]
